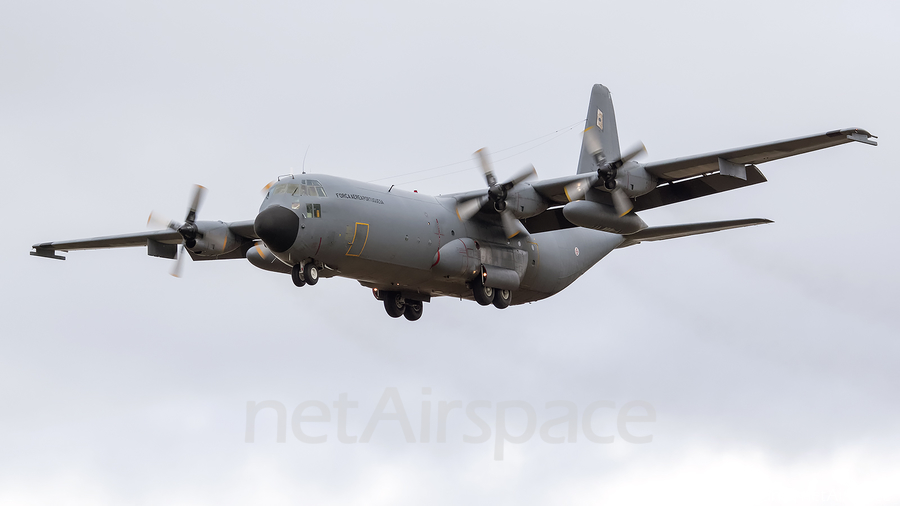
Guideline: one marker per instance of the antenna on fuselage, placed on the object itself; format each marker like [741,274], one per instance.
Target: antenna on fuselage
[303,167]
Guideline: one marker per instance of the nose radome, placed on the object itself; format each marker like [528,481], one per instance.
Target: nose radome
[277,226]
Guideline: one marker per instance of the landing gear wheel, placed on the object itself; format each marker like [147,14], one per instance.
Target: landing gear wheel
[296,276]
[395,305]
[484,295]
[413,310]
[311,274]
[502,298]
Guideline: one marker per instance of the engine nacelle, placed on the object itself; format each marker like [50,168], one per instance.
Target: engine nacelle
[213,238]
[261,257]
[525,202]
[635,180]
[588,214]
[458,259]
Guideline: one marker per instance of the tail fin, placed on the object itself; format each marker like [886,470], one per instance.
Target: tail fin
[600,115]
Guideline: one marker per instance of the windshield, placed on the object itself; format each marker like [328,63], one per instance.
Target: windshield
[307,187]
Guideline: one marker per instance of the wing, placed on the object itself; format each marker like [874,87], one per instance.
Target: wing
[721,171]
[159,243]
[690,166]
[554,190]
[244,229]
[165,237]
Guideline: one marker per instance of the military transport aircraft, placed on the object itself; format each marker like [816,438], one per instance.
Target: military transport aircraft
[511,243]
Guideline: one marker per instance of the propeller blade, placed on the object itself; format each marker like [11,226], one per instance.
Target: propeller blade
[522,175]
[158,221]
[485,163]
[468,208]
[592,142]
[621,201]
[266,188]
[575,191]
[635,150]
[176,269]
[511,225]
[199,192]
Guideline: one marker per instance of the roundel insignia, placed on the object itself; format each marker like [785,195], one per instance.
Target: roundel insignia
[576,251]
[600,119]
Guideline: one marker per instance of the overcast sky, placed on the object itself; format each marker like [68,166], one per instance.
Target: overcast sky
[769,354]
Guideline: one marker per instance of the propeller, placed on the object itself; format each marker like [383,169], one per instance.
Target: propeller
[497,193]
[188,230]
[606,172]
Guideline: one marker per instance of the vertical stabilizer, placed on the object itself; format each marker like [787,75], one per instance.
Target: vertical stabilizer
[600,116]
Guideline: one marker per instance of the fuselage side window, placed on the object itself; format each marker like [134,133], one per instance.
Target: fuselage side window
[313,210]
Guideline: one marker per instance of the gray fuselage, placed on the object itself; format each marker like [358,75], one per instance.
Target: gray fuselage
[389,239]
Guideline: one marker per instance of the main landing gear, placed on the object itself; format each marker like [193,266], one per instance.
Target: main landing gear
[305,274]
[486,295]
[396,306]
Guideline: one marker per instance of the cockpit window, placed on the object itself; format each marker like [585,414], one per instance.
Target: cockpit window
[285,188]
[307,187]
[312,187]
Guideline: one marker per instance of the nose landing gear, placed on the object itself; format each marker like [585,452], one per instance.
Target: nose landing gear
[305,274]
[311,273]
[297,276]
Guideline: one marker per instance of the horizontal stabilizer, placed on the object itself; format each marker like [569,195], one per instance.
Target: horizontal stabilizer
[674,231]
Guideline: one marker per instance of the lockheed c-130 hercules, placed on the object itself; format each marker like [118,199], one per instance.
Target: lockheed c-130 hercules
[515,242]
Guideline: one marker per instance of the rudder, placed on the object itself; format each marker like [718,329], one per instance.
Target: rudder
[600,115]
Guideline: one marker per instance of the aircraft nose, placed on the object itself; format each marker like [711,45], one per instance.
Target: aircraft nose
[277,226]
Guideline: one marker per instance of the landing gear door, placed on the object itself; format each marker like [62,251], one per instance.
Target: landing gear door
[360,236]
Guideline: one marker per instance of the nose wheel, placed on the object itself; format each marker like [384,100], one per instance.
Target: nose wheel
[306,275]
[311,273]
[297,276]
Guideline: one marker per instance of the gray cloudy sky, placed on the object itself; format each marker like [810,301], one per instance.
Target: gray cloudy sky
[768,353]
